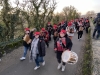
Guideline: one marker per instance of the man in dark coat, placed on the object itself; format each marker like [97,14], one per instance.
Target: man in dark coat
[97,27]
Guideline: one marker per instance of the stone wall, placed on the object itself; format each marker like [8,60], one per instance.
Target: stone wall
[96,54]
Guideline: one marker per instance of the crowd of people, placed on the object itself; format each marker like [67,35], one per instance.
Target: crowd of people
[62,34]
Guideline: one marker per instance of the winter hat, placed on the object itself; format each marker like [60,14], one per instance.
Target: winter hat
[63,31]
[55,26]
[37,33]
[27,29]
[69,24]
[43,29]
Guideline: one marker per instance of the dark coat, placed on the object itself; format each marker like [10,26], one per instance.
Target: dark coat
[61,27]
[97,25]
[31,35]
[49,28]
[41,47]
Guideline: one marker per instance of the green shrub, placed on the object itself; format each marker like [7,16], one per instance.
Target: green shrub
[8,46]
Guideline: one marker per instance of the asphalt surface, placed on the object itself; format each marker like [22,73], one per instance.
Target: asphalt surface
[13,66]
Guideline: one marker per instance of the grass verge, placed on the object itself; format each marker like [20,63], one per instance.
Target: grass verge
[87,57]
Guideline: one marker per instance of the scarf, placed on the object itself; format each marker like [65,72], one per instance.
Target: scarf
[34,49]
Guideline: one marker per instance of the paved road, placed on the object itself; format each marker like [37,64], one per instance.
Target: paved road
[11,65]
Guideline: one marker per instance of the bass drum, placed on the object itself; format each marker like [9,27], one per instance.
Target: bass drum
[69,57]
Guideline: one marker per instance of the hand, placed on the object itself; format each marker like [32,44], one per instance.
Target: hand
[45,38]
[55,49]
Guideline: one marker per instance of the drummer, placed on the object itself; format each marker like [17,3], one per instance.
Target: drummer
[62,43]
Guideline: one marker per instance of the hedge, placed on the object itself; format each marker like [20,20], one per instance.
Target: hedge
[8,46]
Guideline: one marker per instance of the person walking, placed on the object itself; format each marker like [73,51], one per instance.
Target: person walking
[87,25]
[80,32]
[62,43]
[97,27]
[49,29]
[37,52]
[45,35]
[70,29]
[26,43]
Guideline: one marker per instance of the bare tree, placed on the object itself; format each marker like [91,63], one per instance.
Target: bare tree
[90,14]
[70,12]
[40,11]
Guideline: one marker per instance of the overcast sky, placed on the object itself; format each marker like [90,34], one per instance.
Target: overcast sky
[81,5]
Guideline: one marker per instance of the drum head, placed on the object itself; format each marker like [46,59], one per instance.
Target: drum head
[66,56]
[76,58]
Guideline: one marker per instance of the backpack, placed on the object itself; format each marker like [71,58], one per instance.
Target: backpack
[98,21]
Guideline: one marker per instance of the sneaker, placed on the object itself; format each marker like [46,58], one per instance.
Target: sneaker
[37,67]
[59,66]
[63,68]
[43,63]
[22,58]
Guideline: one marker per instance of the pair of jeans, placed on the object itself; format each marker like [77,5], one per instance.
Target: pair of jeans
[95,30]
[47,43]
[59,54]
[25,51]
[87,29]
[39,60]
[80,33]
[49,35]
[98,34]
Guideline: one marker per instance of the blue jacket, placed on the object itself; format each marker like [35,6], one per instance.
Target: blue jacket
[95,22]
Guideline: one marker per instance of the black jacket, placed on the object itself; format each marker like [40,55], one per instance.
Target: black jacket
[31,35]
[96,22]
[61,27]
[68,43]
[41,47]
[49,28]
